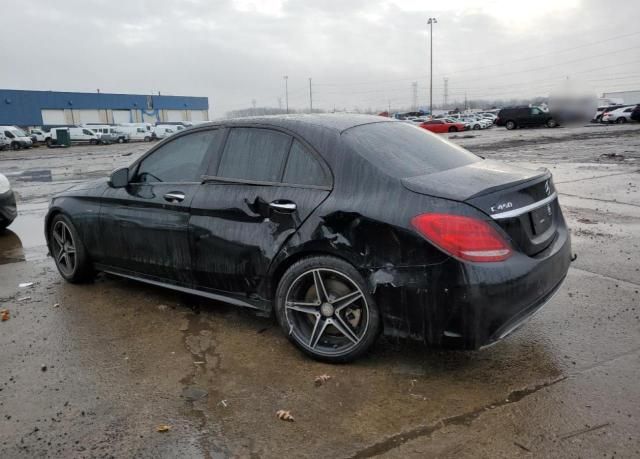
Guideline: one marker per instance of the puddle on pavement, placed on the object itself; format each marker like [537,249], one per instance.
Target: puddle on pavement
[23,240]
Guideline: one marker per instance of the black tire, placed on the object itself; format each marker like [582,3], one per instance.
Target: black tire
[48,141]
[621,120]
[75,267]
[15,146]
[147,139]
[335,275]
[476,127]
[510,125]
[120,140]
[93,142]
[453,129]
[551,123]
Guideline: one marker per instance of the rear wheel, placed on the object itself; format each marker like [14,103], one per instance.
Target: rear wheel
[476,127]
[453,129]
[93,142]
[621,120]
[68,251]
[323,306]
[147,139]
[510,125]
[120,140]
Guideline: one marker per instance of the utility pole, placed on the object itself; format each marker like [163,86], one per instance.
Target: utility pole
[414,95]
[286,93]
[430,22]
[310,97]
[446,92]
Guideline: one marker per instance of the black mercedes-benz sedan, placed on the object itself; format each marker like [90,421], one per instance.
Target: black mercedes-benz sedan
[343,226]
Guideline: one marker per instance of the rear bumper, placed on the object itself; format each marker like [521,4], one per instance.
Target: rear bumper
[8,208]
[472,305]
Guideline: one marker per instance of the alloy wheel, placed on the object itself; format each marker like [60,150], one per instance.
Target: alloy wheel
[326,312]
[64,248]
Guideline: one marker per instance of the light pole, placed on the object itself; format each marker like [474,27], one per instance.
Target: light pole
[286,93]
[430,22]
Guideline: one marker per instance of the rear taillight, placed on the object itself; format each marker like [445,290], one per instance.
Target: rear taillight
[465,238]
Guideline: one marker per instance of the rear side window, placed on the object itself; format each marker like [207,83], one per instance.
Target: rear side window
[303,168]
[254,154]
[181,159]
[402,150]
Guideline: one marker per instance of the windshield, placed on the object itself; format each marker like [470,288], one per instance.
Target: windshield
[18,132]
[403,150]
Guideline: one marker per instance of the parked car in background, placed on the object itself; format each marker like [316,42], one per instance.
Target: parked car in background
[442,126]
[619,115]
[8,209]
[5,143]
[164,130]
[17,137]
[515,117]
[39,134]
[635,114]
[109,133]
[267,213]
[137,133]
[84,135]
[597,118]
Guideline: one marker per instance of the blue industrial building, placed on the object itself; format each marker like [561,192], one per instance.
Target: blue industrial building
[40,108]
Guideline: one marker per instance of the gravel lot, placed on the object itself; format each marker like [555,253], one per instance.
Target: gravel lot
[92,370]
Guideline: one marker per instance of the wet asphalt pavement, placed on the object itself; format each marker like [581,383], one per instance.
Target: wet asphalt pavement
[93,370]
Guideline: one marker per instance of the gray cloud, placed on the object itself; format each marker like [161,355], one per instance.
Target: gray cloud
[359,53]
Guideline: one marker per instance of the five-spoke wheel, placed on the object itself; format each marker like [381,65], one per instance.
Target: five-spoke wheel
[324,308]
[63,247]
[68,251]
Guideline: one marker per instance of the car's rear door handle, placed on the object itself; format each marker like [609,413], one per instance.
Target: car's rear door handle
[174,196]
[284,206]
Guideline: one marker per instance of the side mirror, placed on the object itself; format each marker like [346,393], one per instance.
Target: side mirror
[119,178]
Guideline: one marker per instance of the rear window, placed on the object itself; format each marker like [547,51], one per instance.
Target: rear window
[403,150]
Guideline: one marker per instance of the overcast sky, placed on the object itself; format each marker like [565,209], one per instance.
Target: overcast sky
[360,53]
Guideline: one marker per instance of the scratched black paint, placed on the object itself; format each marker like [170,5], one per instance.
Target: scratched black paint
[224,238]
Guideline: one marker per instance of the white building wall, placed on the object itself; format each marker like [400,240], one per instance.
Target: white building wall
[628,97]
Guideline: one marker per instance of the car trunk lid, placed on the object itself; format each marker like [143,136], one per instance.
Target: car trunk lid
[522,201]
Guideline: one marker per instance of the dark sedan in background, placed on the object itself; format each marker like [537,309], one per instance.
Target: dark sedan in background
[8,209]
[344,226]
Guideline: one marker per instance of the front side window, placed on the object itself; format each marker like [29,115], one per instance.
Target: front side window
[87,132]
[303,168]
[254,154]
[535,111]
[9,134]
[179,160]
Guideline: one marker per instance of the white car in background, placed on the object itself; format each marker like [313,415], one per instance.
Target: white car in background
[4,142]
[164,130]
[17,137]
[39,134]
[620,115]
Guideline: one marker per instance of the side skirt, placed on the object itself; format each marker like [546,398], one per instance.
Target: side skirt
[179,288]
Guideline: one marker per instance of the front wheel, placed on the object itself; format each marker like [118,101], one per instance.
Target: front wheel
[552,123]
[120,140]
[15,146]
[147,139]
[453,129]
[68,251]
[621,120]
[324,307]
[476,127]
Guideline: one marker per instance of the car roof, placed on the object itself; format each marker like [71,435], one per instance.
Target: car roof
[332,121]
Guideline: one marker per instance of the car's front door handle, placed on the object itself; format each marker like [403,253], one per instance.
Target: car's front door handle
[284,206]
[174,196]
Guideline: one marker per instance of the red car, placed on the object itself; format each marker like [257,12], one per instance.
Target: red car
[440,126]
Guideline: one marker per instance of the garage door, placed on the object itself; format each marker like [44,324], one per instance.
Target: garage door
[87,116]
[121,116]
[175,115]
[198,115]
[52,117]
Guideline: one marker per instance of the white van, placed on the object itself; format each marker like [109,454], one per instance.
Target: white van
[137,132]
[108,133]
[39,134]
[17,137]
[78,135]
[165,130]
[4,141]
